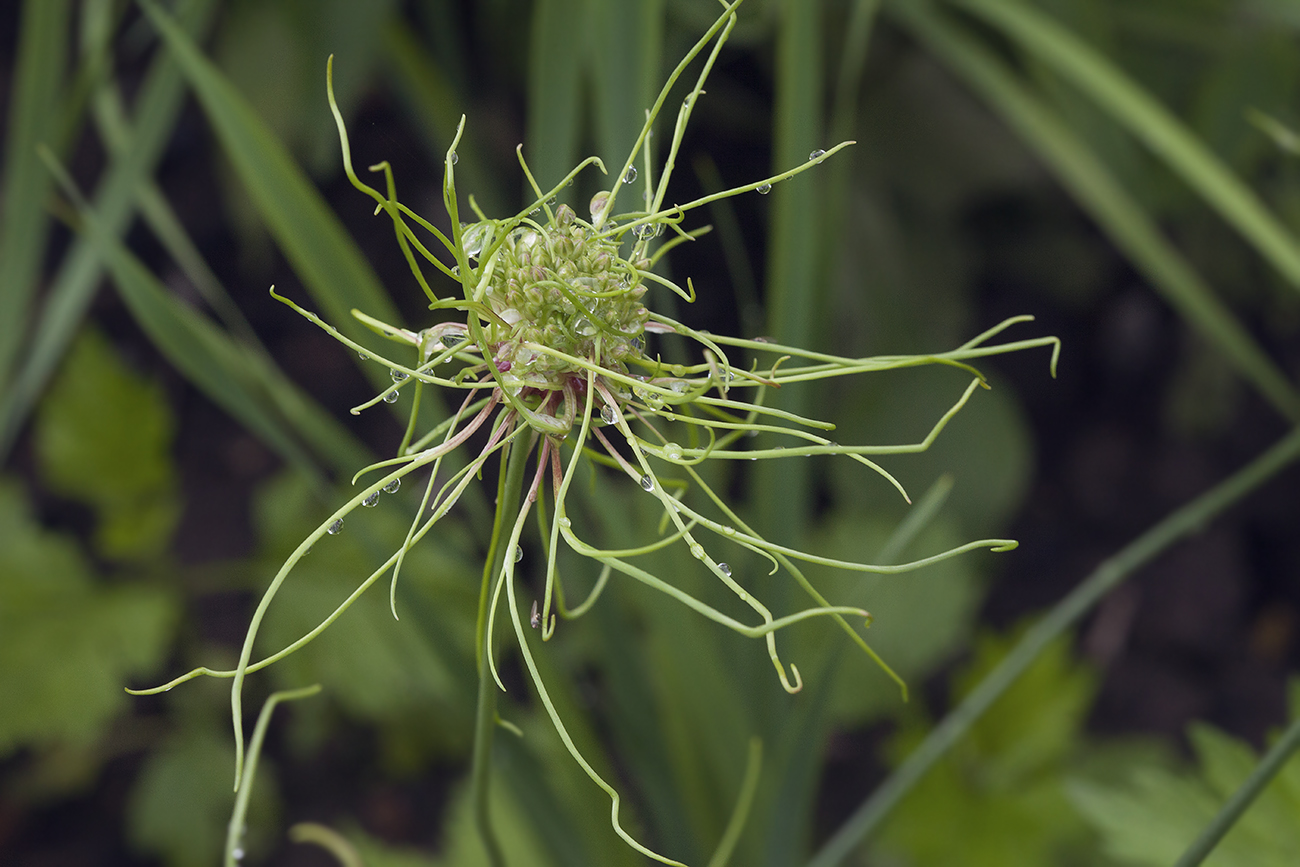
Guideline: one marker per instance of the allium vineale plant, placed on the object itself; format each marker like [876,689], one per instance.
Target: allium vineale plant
[552,358]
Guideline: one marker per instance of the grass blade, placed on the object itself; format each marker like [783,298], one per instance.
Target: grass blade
[34,119]
[1095,188]
[1151,122]
[320,250]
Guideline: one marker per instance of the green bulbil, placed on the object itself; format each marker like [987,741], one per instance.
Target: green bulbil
[563,286]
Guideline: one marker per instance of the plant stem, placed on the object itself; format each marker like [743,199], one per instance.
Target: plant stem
[1184,522]
[510,482]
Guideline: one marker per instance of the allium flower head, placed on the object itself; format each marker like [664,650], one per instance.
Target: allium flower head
[547,354]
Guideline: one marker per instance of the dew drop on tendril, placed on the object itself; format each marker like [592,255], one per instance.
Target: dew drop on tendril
[519,553]
[817,154]
[630,175]
[609,415]
[372,500]
[335,528]
[724,569]
[763,189]
[647,483]
[391,397]
[391,487]
[398,375]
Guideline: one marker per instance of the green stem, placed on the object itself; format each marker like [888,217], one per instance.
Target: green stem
[1241,799]
[513,461]
[1184,522]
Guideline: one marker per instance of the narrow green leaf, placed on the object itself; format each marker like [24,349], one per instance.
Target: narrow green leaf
[34,116]
[626,52]
[324,256]
[555,89]
[78,276]
[1142,115]
[1097,190]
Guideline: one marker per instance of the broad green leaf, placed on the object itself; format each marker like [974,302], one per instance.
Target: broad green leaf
[67,645]
[180,806]
[103,436]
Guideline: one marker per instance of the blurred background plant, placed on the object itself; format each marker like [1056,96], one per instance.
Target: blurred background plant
[1126,172]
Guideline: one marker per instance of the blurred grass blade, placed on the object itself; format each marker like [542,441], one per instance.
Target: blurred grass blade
[433,102]
[1183,522]
[626,51]
[210,360]
[311,237]
[34,119]
[158,103]
[555,89]
[1129,227]
[1150,121]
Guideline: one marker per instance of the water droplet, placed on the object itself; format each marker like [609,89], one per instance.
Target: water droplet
[237,853]
[335,528]
[451,341]
[584,327]
[519,553]
[630,175]
[763,189]
[681,386]
[609,415]
[363,356]
[391,397]
[455,270]
[724,569]
[565,522]
[817,154]
[391,487]
[398,375]
[730,531]
[455,158]
[647,483]
[672,451]
[697,551]
[372,500]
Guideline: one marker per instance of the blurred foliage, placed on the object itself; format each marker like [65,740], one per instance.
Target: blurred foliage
[980,152]
[1152,816]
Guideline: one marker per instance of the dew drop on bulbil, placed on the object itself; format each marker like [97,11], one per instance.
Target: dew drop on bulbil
[584,327]
[372,500]
[724,569]
[391,487]
[391,397]
[398,375]
[647,483]
[609,415]
[335,528]
[630,175]
[817,154]
[763,189]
